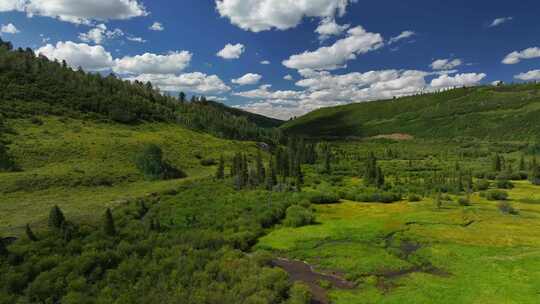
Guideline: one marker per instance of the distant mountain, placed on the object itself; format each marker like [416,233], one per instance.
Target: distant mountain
[510,112]
[260,120]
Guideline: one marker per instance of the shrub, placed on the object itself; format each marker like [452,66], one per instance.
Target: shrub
[150,162]
[464,201]
[298,216]
[208,162]
[506,207]
[324,198]
[481,185]
[299,294]
[378,197]
[414,198]
[36,121]
[504,184]
[496,195]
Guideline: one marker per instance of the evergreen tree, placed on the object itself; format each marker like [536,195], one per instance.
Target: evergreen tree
[370,170]
[535,175]
[108,225]
[182,97]
[3,249]
[261,173]
[220,173]
[522,166]
[30,234]
[56,218]
[379,178]
[271,178]
[497,163]
[327,159]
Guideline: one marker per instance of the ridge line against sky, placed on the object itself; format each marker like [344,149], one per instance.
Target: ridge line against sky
[284,58]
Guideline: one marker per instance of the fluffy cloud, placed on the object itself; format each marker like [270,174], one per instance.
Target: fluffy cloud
[263,92]
[99,34]
[136,39]
[197,82]
[288,77]
[265,62]
[248,79]
[91,58]
[231,51]
[530,75]
[156,26]
[459,80]
[333,57]
[262,15]
[500,21]
[148,63]
[77,11]
[516,57]
[328,27]
[323,89]
[403,35]
[12,5]
[9,29]
[446,64]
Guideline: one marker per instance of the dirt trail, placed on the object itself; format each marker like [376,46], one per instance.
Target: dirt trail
[302,272]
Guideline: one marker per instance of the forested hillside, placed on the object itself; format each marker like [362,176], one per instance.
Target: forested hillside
[31,85]
[504,112]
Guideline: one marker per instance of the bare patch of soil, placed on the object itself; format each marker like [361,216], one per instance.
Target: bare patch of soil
[302,272]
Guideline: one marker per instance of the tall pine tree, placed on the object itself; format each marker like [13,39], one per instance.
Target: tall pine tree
[56,218]
[108,224]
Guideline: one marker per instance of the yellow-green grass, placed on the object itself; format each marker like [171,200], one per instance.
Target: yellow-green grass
[483,255]
[85,166]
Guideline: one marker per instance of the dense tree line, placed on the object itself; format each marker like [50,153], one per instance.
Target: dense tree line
[31,85]
[283,168]
[187,248]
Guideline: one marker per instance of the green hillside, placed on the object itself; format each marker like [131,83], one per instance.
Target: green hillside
[85,166]
[507,112]
[33,85]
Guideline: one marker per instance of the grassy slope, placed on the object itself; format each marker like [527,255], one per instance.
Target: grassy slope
[507,112]
[84,166]
[494,260]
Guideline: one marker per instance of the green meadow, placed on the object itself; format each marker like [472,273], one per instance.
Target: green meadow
[471,254]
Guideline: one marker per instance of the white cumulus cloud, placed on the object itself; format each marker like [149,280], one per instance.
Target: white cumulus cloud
[78,11]
[91,58]
[9,29]
[99,34]
[232,51]
[265,62]
[446,64]
[328,27]
[262,15]
[528,76]
[459,80]
[288,77]
[516,57]
[358,42]
[196,82]
[248,79]
[403,35]
[157,26]
[149,63]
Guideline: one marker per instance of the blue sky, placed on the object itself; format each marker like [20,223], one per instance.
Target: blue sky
[334,51]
